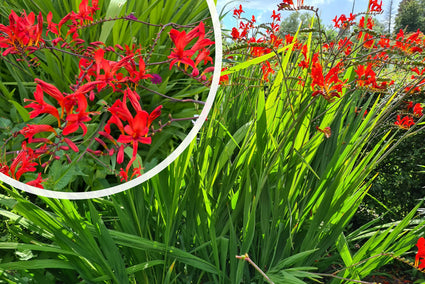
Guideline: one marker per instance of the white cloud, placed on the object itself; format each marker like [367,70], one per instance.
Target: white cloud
[264,5]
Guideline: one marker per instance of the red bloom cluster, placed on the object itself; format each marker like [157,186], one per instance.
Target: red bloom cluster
[258,46]
[343,21]
[101,80]
[180,53]
[22,36]
[22,163]
[405,122]
[329,86]
[367,77]
[374,6]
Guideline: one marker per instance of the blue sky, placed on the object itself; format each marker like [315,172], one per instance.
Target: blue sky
[328,9]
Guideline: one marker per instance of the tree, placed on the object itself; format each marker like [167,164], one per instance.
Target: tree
[410,16]
[290,24]
[389,16]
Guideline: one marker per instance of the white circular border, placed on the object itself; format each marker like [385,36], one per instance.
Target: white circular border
[183,145]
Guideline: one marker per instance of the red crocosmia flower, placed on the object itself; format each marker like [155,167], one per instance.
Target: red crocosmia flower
[181,40]
[411,44]
[123,175]
[137,76]
[384,42]
[267,69]
[37,182]
[39,106]
[238,12]
[201,42]
[345,45]
[367,77]
[4,169]
[23,162]
[109,76]
[405,122]
[417,110]
[179,54]
[275,17]
[51,91]
[203,55]
[30,130]
[224,79]
[137,130]
[85,12]
[137,171]
[119,113]
[374,6]
[420,255]
[51,27]
[22,33]
[329,86]
[235,34]
[343,21]
[77,120]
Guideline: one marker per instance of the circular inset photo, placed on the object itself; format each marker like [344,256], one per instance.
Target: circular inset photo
[99,97]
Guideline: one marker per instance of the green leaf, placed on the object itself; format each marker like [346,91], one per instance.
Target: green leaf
[36,264]
[114,9]
[21,110]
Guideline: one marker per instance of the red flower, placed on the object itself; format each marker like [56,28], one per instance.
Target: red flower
[417,110]
[224,79]
[328,86]
[31,130]
[179,54]
[77,120]
[374,6]
[235,33]
[137,131]
[267,69]
[136,76]
[39,106]
[22,33]
[343,21]
[275,17]
[23,162]
[37,182]
[119,112]
[85,12]
[51,27]
[405,122]
[109,75]
[201,42]
[420,255]
[238,12]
